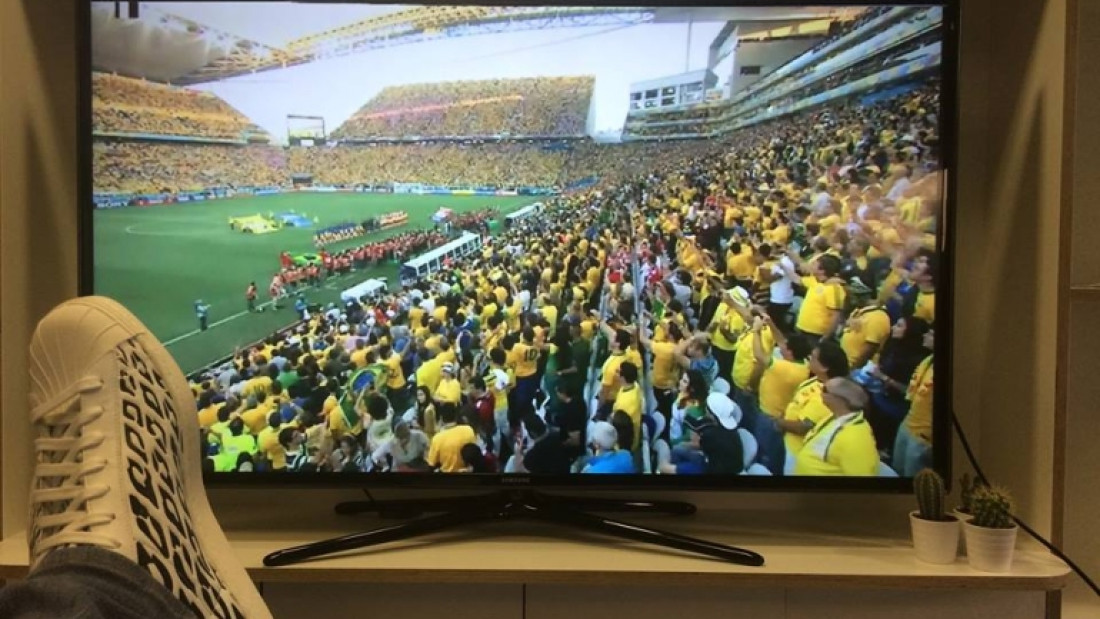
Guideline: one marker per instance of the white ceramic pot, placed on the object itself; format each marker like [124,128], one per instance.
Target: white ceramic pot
[990,550]
[963,518]
[935,541]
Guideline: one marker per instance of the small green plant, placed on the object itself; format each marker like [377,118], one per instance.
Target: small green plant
[928,486]
[967,486]
[992,508]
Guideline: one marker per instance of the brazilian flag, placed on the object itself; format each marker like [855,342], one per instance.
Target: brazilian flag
[359,381]
[347,408]
[370,378]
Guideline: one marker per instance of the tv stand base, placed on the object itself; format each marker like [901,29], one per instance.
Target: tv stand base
[510,505]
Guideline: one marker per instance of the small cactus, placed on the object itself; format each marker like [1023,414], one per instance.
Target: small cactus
[928,486]
[992,508]
[967,486]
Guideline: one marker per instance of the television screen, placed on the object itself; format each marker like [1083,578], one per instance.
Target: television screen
[667,246]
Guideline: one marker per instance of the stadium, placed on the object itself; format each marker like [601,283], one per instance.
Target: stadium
[547,194]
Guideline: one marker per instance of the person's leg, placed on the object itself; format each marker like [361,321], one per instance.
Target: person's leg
[666,398]
[902,446]
[780,313]
[682,454]
[725,362]
[500,436]
[788,464]
[746,401]
[914,455]
[91,583]
[708,308]
[118,430]
[770,448]
[399,400]
[885,415]
[510,466]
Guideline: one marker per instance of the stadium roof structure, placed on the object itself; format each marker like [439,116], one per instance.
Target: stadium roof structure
[182,51]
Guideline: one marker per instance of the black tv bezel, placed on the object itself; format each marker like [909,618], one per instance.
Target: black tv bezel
[942,396]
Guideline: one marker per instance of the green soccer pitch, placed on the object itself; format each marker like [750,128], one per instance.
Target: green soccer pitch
[157,261]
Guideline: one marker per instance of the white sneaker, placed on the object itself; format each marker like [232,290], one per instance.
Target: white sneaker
[118,459]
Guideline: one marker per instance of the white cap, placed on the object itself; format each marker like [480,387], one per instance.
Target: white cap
[725,409]
[740,295]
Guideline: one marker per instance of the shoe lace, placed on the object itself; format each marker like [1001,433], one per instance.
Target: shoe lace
[61,495]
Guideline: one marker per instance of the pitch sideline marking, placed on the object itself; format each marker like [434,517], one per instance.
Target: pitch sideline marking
[211,326]
[227,319]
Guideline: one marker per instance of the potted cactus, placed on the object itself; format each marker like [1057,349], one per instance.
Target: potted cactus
[991,533]
[935,533]
[967,486]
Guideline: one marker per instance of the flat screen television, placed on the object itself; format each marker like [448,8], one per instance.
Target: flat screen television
[535,246]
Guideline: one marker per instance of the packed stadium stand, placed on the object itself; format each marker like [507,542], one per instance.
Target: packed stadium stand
[840,199]
[883,44]
[464,133]
[506,164]
[767,182]
[122,105]
[541,106]
[154,168]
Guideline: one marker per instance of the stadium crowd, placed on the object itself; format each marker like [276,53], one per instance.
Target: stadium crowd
[157,168]
[149,168]
[789,90]
[701,128]
[128,105]
[506,164]
[538,106]
[786,276]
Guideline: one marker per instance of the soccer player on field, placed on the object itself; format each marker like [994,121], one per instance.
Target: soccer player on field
[202,312]
[250,296]
[275,290]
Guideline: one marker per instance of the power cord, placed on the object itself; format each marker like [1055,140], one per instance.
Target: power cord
[1023,525]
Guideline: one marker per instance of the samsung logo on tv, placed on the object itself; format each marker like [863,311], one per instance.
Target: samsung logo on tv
[515,480]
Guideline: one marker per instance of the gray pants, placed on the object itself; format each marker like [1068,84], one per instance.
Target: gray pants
[89,583]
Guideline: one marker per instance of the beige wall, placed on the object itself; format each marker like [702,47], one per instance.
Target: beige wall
[1009,175]
[37,205]
[1008,282]
[1082,504]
